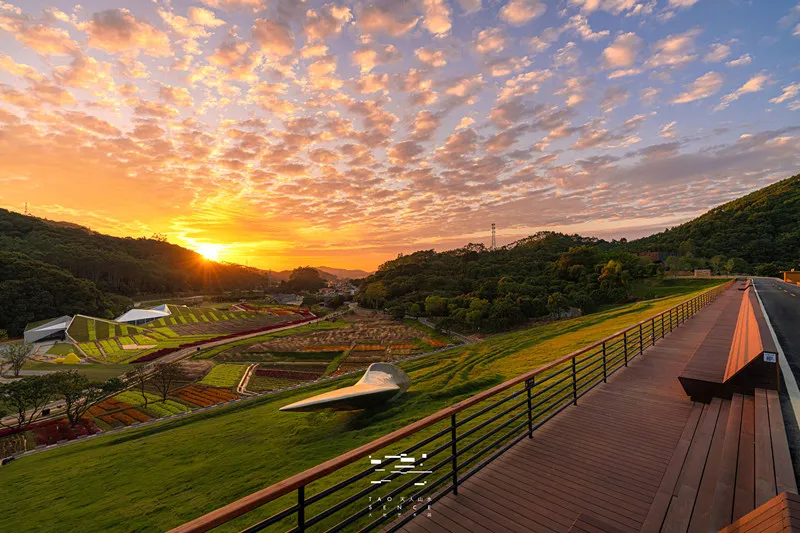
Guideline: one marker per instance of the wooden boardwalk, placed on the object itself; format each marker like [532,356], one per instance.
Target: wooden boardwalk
[601,465]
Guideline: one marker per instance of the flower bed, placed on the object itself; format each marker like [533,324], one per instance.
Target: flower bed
[435,343]
[326,348]
[53,431]
[204,396]
[287,374]
[369,348]
[224,375]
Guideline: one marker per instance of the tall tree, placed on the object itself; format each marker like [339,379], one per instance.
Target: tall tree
[164,376]
[139,376]
[80,393]
[26,398]
[15,355]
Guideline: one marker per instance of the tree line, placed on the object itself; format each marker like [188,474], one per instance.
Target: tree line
[473,289]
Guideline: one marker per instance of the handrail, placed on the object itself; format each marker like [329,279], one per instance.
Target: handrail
[299,481]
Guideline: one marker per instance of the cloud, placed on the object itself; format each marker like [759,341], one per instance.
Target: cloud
[490,41]
[668,130]
[616,7]
[580,25]
[390,17]
[368,57]
[86,72]
[613,97]
[47,40]
[742,61]
[433,58]
[469,6]
[753,85]
[437,17]
[706,85]
[674,50]
[117,30]
[519,12]
[274,38]
[204,17]
[681,3]
[254,5]
[566,56]
[328,21]
[178,96]
[623,51]
[788,92]
[719,52]
[649,94]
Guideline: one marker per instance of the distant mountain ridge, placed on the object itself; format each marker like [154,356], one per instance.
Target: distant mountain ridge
[326,273]
[761,228]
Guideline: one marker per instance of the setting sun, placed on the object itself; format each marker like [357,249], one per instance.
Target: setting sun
[209,251]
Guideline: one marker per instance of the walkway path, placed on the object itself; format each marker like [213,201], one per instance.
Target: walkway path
[606,457]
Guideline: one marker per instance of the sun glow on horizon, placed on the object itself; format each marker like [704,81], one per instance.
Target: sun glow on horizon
[209,250]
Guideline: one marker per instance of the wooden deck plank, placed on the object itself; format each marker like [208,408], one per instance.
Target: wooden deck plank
[685,493]
[744,496]
[726,476]
[701,515]
[784,472]
[764,464]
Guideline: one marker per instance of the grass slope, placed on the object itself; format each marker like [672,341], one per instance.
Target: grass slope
[155,478]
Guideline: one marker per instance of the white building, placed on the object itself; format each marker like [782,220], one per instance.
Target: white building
[53,330]
[138,317]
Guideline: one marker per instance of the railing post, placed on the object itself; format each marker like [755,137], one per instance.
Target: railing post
[529,385]
[641,342]
[574,384]
[454,452]
[605,373]
[625,346]
[653,330]
[301,508]
[663,329]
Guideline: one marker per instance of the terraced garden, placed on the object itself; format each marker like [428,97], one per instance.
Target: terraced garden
[251,445]
[111,342]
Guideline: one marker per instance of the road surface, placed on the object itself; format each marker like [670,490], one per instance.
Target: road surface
[782,304]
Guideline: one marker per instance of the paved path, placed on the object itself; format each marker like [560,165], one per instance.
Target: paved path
[782,305]
[606,456]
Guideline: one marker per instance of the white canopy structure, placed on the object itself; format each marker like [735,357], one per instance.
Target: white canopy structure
[55,329]
[380,383]
[137,317]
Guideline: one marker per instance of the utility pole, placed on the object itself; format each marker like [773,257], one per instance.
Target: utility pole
[494,240]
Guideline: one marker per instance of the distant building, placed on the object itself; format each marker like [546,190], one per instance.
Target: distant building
[702,272]
[52,330]
[138,317]
[288,299]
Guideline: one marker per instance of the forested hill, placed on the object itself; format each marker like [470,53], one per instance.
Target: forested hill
[758,233]
[49,269]
[474,289]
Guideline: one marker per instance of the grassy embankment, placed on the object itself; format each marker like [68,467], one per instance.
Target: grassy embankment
[157,477]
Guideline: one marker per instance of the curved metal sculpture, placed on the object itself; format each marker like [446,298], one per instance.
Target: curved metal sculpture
[380,383]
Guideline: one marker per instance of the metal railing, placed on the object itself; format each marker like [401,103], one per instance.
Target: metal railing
[441,451]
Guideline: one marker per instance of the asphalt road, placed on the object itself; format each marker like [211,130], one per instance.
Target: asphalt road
[782,303]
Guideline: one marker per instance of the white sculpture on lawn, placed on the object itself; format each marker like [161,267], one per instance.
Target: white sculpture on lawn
[381,383]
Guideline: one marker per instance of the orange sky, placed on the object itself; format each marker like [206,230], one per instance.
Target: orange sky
[282,134]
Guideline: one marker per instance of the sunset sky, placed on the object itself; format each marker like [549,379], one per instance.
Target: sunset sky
[341,133]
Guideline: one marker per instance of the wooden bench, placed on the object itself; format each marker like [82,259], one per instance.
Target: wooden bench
[780,514]
[737,356]
[731,459]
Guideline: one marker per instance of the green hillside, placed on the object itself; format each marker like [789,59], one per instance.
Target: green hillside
[49,269]
[759,233]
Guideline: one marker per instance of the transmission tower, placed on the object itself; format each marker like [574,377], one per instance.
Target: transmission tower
[494,241]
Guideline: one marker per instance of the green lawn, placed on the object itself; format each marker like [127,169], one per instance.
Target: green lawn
[94,371]
[155,478]
[61,348]
[652,288]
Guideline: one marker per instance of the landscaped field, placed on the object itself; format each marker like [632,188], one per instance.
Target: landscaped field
[112,342]
[350,343]
[210,459]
